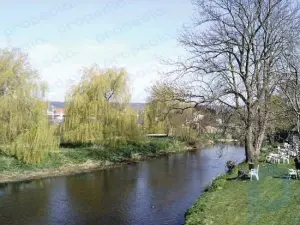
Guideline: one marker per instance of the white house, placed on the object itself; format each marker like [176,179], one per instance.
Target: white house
[59,114]
[56,115]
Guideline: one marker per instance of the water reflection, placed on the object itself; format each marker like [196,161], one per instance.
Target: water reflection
[152,192]
[25,203]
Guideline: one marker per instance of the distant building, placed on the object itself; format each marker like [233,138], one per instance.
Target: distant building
[59,114]
[56,115]
[205,123]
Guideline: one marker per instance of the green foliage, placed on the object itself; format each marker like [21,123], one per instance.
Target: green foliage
[217,184]
[266,150]
[163,112]
[155,120]
[167,114]
[281,116]
[13,165]
[122,153]
[24,129]
[97,109]
[186,134]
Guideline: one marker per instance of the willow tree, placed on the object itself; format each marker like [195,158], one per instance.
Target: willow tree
[97,109]
[24,129]
[163,112]
[154,120]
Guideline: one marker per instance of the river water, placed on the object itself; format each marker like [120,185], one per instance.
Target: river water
[153,192]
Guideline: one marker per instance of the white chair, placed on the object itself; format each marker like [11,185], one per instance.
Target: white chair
[292,172]
[268,159]
[254,172]
[285,159]
[278,149]
[292,153]
[282,154]
[275,159]
[286,145]
[274,154]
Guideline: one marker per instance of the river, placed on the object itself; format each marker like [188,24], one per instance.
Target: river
[157,191]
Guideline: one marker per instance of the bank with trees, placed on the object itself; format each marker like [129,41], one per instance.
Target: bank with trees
[100,128]
[243,57]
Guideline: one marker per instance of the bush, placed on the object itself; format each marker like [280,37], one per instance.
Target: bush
[187,135]
[230,165]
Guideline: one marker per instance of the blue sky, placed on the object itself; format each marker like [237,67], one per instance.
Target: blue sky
[61,37]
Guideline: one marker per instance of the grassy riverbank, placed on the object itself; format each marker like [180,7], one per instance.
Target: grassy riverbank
[69,161]
[272,200]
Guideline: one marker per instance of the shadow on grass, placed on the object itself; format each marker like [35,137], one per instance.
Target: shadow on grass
[286,177]
[74,145]
[237,178]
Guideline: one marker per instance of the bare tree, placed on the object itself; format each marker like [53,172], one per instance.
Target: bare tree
[234,50]
[290,83]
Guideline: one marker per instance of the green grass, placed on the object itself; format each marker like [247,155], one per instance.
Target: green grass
[271,200]
[150,148]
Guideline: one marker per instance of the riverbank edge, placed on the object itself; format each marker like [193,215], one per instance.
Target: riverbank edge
[74,169]
[217,183]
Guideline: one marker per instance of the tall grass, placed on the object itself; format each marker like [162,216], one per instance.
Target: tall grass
[152,147]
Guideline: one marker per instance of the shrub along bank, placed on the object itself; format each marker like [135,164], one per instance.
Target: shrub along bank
[87,158]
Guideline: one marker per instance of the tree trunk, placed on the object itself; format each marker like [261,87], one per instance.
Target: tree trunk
[249,144]
[260,136]
[246,149]
[298,124]
[259,144]
[249,134]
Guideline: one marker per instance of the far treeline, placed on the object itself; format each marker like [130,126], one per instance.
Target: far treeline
[97,112]
[240,79]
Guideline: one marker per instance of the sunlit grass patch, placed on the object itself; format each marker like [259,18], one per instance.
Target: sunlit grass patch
[273,199]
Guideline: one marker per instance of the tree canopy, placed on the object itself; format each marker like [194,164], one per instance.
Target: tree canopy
[236,59]
[97,109]
[24,129]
